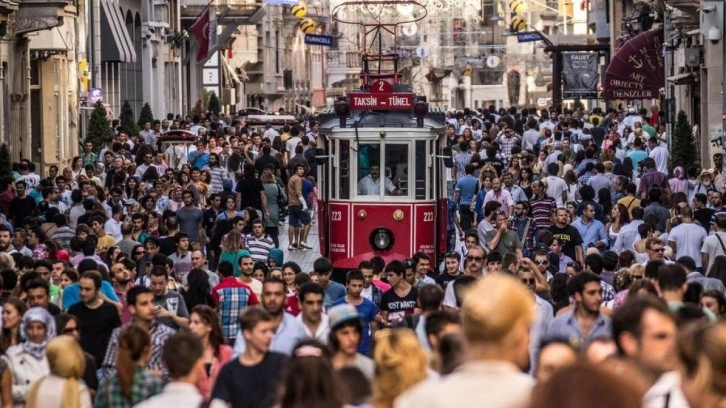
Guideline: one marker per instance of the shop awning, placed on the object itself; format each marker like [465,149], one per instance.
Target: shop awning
[637,70]
[116,45]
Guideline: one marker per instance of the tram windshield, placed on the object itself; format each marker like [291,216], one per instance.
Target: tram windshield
[390,176]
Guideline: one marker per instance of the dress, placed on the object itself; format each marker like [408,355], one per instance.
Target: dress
[272,191]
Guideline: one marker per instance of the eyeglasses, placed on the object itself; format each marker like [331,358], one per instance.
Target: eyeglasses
[140,253]
[530,281]
[541,262]
[475,258]
[69,330]
[657,249]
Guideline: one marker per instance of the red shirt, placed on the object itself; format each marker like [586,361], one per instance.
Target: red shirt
[292,305]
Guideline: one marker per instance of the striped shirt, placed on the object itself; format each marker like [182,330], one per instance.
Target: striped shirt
[218,174]
[541,209]
[259,247]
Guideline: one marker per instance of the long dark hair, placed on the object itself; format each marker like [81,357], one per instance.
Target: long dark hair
[133,343]
[309,379]
[210,317]
[198,291]
[6,340]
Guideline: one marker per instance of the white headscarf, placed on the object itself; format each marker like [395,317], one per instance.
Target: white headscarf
[37,314]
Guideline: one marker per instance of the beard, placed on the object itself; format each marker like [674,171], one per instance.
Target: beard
[123,281]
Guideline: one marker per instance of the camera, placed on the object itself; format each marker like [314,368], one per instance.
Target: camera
[714,34]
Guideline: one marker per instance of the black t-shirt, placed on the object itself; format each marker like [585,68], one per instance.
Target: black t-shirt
[250,387]
[398,307]
[96,327]
[444,278]
[167,246]
[569,237]
[703,216]
[21,208]
[250,189]
[263,161]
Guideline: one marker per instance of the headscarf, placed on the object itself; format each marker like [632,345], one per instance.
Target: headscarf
[37,314]
[678,183]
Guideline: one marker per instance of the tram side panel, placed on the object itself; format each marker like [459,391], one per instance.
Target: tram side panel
[413,227]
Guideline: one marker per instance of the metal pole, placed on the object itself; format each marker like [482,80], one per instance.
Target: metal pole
[669,102]
[96,42]
[723,95]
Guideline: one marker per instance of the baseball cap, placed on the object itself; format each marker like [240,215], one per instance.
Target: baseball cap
[341,314]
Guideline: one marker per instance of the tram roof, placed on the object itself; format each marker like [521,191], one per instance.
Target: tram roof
[329,120]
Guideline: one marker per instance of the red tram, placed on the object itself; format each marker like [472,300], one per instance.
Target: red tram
[381,187]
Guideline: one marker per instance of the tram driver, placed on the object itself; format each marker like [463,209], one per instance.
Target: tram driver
[370,184]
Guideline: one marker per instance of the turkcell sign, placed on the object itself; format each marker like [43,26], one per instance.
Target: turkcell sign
[316,39]
[381,101]
[528,36]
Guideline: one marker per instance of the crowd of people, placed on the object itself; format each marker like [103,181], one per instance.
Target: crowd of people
[581,269]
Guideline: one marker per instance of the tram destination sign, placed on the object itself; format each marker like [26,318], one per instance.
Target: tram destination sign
[381,101]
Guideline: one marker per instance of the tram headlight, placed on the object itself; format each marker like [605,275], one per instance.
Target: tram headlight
[381,239]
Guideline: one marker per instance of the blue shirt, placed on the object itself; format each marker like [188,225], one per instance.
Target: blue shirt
[201,161]
[566,327]
[333,292]
[591,233]
[288,334]
[368,312]
[72,294]
[466,186]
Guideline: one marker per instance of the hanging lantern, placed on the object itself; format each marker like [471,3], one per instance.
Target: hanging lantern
[516,6]
[299,11]
[307,25]
[517,24]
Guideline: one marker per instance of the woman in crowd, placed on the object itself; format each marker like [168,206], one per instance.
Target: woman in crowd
[401,363]
[198,289]
[275,201]
[232,250]
[525,181]
[131,383]
[27,361]
[69,325]
[309,379]
[703,364]
[13,311]
[619,217]
[204,323]
[714,301]
[62,388]
[229,209]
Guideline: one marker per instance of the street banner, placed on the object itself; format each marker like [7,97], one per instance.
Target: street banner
[579,74]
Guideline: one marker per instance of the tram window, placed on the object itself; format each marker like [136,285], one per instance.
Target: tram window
[397,168]
[344,170]
[370,170]
[421,183]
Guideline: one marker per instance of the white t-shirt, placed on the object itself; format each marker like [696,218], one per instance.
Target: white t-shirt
[290,146]
[555,187]
[688,239]
[713,248]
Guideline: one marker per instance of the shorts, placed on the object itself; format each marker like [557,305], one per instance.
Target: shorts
[298,216]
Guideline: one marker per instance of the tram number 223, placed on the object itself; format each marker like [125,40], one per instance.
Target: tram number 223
[428,216]
[336,216]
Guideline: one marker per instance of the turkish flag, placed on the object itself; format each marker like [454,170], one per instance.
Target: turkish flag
[204,31]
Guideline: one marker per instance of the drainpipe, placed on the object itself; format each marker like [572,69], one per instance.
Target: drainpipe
[96,41]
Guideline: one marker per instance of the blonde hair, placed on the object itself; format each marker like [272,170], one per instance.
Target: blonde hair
[400,364]
[66,360]
[494,308]
[232,242]
[6,261]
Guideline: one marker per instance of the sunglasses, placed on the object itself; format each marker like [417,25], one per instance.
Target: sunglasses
[140,253]
[69,330]
[530,281]
[475,258]
[657,249]
[544,262]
